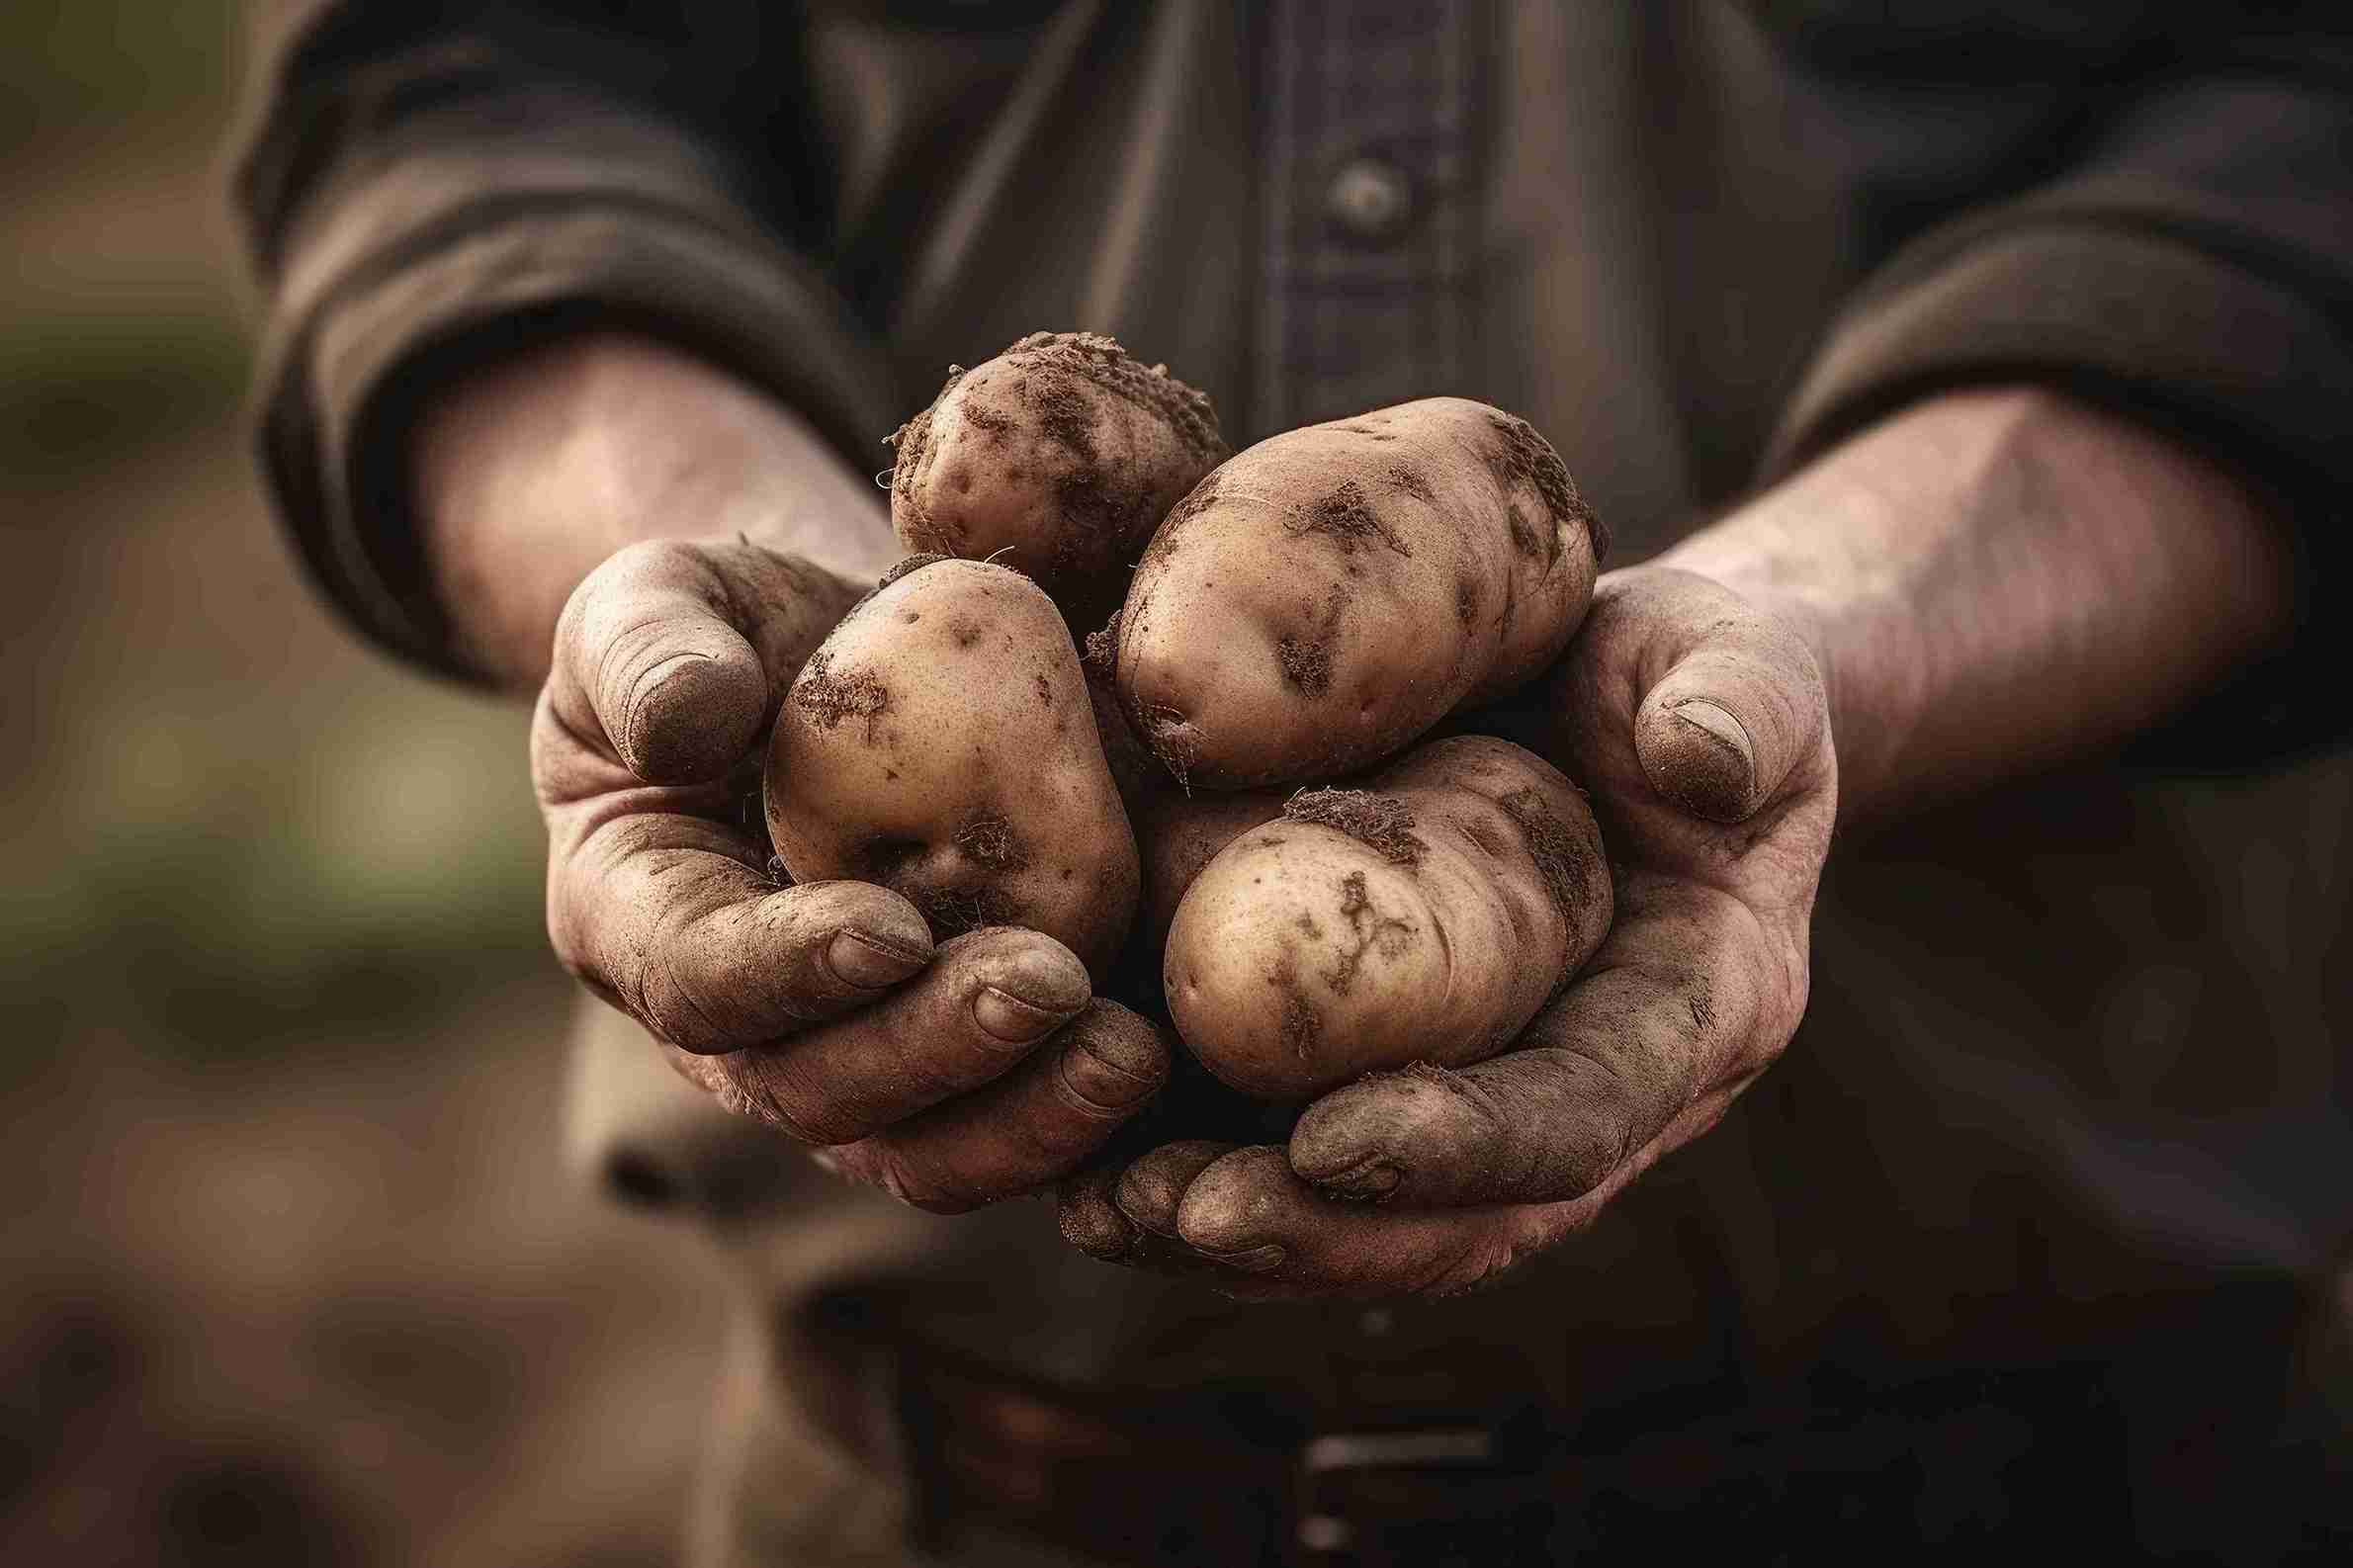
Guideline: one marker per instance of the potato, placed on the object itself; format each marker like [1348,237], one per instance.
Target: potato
[939,742]
[1177,831]
[1426,917]
[1327,595]
[1061,454]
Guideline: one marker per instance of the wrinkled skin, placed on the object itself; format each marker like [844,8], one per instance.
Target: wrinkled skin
[1700,726]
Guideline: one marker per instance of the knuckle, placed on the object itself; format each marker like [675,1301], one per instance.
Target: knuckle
[749,1093]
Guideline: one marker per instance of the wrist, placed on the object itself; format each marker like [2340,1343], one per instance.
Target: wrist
[530,472]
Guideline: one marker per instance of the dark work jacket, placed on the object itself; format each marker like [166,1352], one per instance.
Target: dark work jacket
[2071,1091]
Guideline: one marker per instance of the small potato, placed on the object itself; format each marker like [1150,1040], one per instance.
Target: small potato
[1426,919]
[1062,454]
[1329,594]
[939,742]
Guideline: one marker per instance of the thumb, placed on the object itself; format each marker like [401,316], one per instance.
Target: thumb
[675,652]
[1725,727]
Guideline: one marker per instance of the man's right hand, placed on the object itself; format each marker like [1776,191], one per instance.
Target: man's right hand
[950,1078]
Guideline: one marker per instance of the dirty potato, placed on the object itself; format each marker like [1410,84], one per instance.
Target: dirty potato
[940,743]
[1326,596]
[1425,918]
[1060,457]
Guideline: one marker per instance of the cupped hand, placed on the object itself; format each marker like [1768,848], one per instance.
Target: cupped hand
[1698,722]
[949,1076]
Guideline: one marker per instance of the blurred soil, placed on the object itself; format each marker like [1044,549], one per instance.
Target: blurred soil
[294,1272]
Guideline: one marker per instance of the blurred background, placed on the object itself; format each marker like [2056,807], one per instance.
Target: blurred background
[294,1269]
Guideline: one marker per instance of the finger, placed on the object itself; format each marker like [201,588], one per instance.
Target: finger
[1027,1128]
[987,1000]
[674,918]
[1091,1220]
[674,653]
[1280,1238]
[1725,725]
[1150,1189]
[1687,998]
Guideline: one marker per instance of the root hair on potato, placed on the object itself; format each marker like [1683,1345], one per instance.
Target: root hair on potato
[1381,823]
[1171,738]
[990,840]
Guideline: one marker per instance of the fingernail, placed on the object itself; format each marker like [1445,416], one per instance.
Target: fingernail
[1012,1019]
[1719,723]
[867,962]
[1368,1179]
[1089,1222]
[1254,1260]
[1113,1063]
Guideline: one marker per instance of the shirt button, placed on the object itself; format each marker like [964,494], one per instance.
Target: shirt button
[1370,198]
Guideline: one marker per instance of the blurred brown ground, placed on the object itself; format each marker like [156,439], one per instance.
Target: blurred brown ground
[293,1269]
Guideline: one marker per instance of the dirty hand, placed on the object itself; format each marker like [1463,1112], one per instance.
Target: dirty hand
[1698,722]
[948,1077]
[656,546]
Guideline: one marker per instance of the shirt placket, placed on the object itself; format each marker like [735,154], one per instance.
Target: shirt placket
[1366,127]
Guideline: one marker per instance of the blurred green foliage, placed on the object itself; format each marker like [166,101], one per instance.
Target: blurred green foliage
[234,835]
[77,67]
[80,384]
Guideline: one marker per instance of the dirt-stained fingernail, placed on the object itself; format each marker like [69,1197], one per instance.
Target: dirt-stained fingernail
[1116,1059]
[868,962]
[1089,1222]
[1009,1018]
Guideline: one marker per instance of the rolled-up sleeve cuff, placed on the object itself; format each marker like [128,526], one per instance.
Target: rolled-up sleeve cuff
[2128,317]
[342,380]
[2243,364]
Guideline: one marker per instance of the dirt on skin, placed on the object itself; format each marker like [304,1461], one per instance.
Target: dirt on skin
[1197,501]
[829,698]
[1102,362]
[898,569]
[1302,1026]
[1523,457]
[1564,860]
[1370,927]
[1306,663]
[1381,823]
[1348,517]
[1050,375]
[1408,480]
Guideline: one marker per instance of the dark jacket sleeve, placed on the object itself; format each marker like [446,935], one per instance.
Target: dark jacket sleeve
[2193,267]
[423,185]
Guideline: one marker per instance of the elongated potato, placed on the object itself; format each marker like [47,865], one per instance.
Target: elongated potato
[1327,595]
[1061,454]
[940,742]
[1425,919]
